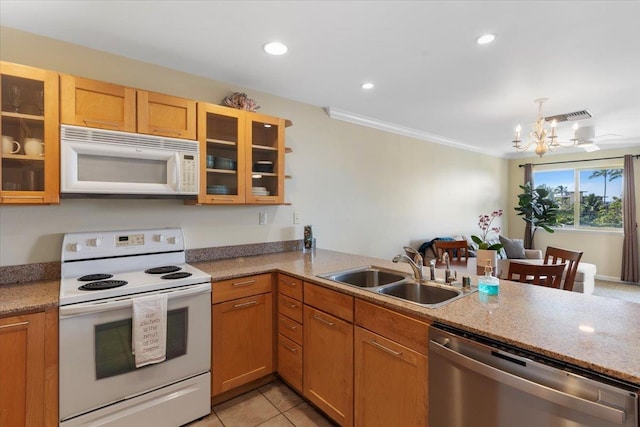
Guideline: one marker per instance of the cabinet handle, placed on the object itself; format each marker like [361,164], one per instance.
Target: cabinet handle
[245,283]
[387,349]
[22,197]
[292,305]
[315,316]
[101,122]
[164,130]
[13,325]
[293,350]
[292,284]
[222,199]
[245,304]
[292,327]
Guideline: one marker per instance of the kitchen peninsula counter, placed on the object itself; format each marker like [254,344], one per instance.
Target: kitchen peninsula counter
[590,331]
[593,332]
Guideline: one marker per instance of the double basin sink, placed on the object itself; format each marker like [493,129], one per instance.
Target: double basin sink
[397,284]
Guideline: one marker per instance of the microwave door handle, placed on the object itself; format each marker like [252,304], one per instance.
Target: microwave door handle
[177,173]
[97,306]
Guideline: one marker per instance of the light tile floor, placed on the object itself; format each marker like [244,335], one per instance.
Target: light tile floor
[273,405]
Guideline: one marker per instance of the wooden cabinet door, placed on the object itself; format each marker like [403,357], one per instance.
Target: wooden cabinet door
[30,170]
[328,364]
[22,370]
[265,143]
[390,383]
[165,115]
[221,134]
[242,341]
[92,103]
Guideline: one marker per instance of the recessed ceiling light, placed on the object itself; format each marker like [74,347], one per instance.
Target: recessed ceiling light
[275,48]
[486,38]
[367,85]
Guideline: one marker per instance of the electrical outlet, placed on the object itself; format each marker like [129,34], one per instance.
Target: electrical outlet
[262,218]
[296,218]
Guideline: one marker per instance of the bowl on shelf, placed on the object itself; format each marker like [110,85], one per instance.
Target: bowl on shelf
[217,189]
[260,191]
[210,161]
[264,166]
[224,163]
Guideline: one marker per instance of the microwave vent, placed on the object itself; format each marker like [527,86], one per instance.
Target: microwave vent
[576,115]
[101,136]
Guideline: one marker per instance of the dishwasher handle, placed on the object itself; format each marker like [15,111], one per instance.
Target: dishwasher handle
[595,409]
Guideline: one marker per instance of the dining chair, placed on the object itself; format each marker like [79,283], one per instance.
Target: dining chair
[560,256]
[457,249]
[549,275]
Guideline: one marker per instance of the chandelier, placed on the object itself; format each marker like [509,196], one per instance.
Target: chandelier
[545,139]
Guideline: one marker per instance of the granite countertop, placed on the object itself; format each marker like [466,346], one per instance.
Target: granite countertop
[593,332]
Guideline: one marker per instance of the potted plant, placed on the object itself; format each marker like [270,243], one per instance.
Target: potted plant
[538,208]
[487,252]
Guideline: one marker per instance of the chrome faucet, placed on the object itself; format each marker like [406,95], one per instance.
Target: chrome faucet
[417,269]
[448,278]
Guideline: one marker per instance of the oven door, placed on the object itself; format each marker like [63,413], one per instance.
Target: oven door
[97,367]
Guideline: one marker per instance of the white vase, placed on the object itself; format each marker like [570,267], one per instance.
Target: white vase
[484,255]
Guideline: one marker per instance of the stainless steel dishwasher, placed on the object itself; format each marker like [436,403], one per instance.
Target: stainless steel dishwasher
[477,382]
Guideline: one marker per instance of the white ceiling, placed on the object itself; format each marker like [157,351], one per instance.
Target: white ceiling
[431,79]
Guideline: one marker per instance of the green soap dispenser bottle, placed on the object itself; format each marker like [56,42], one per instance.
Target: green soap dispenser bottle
[488,284]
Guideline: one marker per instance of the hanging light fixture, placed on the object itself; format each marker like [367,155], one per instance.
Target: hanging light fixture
[544,139]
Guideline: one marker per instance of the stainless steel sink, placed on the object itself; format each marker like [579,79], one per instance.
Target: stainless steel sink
[366,277]
[420,293]
[399,285]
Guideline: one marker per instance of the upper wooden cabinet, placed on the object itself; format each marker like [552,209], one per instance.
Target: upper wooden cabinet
[92,103]
[30,153]
[97,104]
[242,156]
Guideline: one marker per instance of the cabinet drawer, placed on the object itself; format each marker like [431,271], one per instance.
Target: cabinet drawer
[290,308]
[290,286]
[332,302]
[404,330]
[290,328]
[290,362]
[241,287]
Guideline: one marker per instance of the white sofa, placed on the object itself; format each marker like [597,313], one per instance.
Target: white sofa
[585,276]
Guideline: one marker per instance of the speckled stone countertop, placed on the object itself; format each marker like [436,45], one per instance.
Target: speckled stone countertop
[593,332]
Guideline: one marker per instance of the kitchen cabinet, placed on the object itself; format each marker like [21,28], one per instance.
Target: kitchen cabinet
[30,155]
[91,103]
[242,332]
[290,331]
[328,352]
[391,368]
[242,156]
[29,369]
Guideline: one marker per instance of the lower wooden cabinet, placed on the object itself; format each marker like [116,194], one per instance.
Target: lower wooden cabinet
[242,336]
[390,382]
[328,361]
[391,368]
[29,370]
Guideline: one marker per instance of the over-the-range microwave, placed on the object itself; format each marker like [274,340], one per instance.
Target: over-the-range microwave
[106,162]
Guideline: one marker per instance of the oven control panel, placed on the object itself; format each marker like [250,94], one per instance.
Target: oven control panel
[105,244]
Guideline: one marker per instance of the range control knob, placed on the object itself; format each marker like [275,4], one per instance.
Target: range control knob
[76,247]
[159,238]
[95,242]
[172,240]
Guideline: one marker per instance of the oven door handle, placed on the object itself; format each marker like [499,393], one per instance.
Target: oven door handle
[127,301]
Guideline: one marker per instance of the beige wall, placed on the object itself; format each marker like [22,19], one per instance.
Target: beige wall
[365,191]
[602,248]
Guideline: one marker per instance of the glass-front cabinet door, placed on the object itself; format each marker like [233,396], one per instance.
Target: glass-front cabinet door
[265,158]
[221,132]
[29,166]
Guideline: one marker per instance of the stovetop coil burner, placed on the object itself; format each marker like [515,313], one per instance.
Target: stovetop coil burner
[103,284]
[178,275]
[163,270]
[95,277]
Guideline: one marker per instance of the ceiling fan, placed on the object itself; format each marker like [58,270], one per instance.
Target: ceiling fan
[589,141]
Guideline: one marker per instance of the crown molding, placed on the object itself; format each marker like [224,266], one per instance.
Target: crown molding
[357,119]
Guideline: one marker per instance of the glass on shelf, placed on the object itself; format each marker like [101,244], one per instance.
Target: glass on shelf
[15,97]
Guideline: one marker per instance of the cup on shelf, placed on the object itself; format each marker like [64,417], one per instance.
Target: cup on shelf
[9,145]
[33,147]
[210,161]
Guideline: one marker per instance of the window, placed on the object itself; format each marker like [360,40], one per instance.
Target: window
[588,197]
